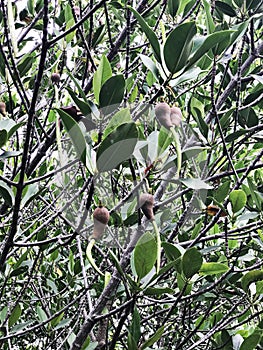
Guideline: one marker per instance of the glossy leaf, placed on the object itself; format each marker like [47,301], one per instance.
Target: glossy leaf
[178,46]
[151,36]
[190,74]
[150,65]
[75,134]
[145,254]
[171,251]
[250,277]
[225,8]
[209,42]
[112,92]
[209,19]
[117,147]
[173,6]
[10,154]
[102,74]
[82,105]
[41,314]
[121,117]
[238,199]
[191,262]
[196,184]
[213,268]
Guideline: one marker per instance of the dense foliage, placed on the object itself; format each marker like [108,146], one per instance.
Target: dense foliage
[80,82]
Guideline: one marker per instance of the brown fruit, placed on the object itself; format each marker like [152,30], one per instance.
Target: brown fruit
[101,217]
[55,78]
[162,113]
[146,202]
[3,108]
[176,116]
[213,210]
[73,112]
[76,114]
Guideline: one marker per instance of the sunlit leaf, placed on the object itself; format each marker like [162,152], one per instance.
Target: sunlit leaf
[213,268]
[191,262]
[238,200]
[117,147]
[145,254]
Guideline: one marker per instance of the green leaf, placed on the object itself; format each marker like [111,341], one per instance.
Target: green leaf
[150,65]
[55,321]
[135,325]
[173,6]
[41,314]
[19,271]
[209,42]
[238,200]
[235,135]
[145,254]
[209,19]
[7,193]
[251,342]
[8,154]
[250,277]
[102,74]
[213,268]
[178,46]
[196,184]
[221,193]
[75,134]
[75,81]
[29,193]
[117,147]
[15,315]
[30,6]
[63,324]
[153,339]
[191,262]
[253,4]
[151,36]
[13,129]
[7,124]
[131,342]
[225,8]
[3,137]
[121,117]
[111,93]
[164,140]
[183,285]
[26,64]
[254,193]
[82,105]
[190,74]
[171,251]
[158,291]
